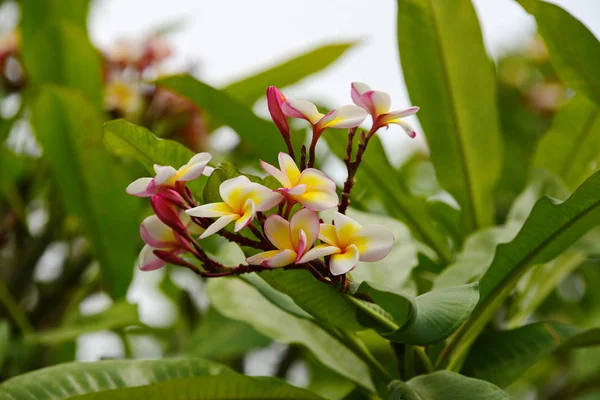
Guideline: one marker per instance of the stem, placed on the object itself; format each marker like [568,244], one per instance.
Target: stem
[313,145]
[359,348]
[409,362]
[303,158]
[14,310]
[422,354]
[257,232]
[353,166]
[288,143]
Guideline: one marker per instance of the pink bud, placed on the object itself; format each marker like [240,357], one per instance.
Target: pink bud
[274,101]
[165,211]
[172,197]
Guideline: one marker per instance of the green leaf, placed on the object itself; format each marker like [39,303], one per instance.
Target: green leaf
[449,75]
[401,308]
[221,337]
[118,316]
[238,300]
[383,181]
[56,48]
[574,51]
[223,172]
[550,229]
[259,135]
[71,379]
[502,357]
[252,88]
[91,183]
[571,148]
[4,340]
[125,139]
[225,387]
[445,385]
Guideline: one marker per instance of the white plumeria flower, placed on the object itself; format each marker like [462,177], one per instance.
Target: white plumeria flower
[123,95]
[241,200]
[293,241]
[311,187]
[167,176]
[353,243]
[344,117]
[378,105]
[159,236]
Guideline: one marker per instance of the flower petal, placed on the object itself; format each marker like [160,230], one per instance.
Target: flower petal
[373,242]
[139,187]
[163,174]
[247,217]
[344,117]
[219,224]
[231,191]
[200,158]
[194,168]
[295,191]
[318,199]
[281,259]
[344,262]
[301,246]
[275,100]
[289,167]
[301,109]
[277,230]
[328,234]
[345,228]
[147,261]
[357,92]
[380,101]
[319,251]
[157,234]
[211,210]
[264,198]
[402,113]
[260,258]
[306,221]
[314,177]
[277,174]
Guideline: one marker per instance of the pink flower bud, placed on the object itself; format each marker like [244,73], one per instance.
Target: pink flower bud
[274,101]
[167,213]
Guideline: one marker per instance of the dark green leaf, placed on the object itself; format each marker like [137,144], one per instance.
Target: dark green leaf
[451,78]
[125,139]
[574,51]
[4,340]
[571,148]
[91,183]
[67,380]
[252,88]
[445,385]
[400,308]
[226,387]
[259,135]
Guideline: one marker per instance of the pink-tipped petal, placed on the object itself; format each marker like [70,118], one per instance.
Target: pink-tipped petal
[261,258]
[275,173]
[344,262]
[306,221]
[212,210]
[402,113]
[302,245]
[264,198]
[218,225]
[312,177]
[357,92]
[156,234]
[301,109]
[246,219]
[345,117]
[410,131]
[147,260]
[289,167]
[139,187]
[345,228]
[173,197]
[277,230]
[296,190]
[318,199]
[163,174]
[373,242]
[281,259]
[275,100]
[316,252]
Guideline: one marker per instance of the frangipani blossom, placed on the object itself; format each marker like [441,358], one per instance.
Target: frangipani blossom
[344,117]
[378,105]
[354,243]
[241,200]
[159,236]
[311,187]
[167,176]
[293,241]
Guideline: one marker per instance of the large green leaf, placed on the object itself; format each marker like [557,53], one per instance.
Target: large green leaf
[571,148]
[574,51]
[502,357]
[67,380]
[4,340]
[125,139]
[550,229]
[56,48]
[228,387]
[259,135]
[449,75]
[379,176]
[91,183]
[252,88]
[118,316]
[238,300]
[445,385]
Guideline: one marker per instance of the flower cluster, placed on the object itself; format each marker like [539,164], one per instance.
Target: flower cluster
[282,222]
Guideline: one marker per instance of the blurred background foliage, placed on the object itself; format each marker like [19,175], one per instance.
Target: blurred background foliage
[69,233]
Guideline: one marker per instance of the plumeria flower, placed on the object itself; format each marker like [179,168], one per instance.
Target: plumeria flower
[378,105]
[293,241]
[275,100]
[167,176]
[123,95]
[311,187]
[344,117]
[159,237]
[241,200]
[354,243]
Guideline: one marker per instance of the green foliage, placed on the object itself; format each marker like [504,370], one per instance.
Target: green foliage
[4,340]
[449,75]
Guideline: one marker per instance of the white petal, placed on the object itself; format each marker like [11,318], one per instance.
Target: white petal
[373,242]
[344,262]
[260,258]
[275,173]
[345,228]
[281,259]
[319,251]
[211,210]
[163,174]
[402,113]
[191,172]
[263,197]
[138,187]
[200,158]
[360,87]
[381,102]
[208,170]
[346,117]
[218,225]
[277,230]
[306,221]
[301,109]
[231,190]
[147,261]
[289,167]
[246,219]
[155,233]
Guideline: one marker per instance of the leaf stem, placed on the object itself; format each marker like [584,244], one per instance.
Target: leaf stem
[14,310]
[422,354]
